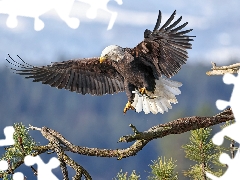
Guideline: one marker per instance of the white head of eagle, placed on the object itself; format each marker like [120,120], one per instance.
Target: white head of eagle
[112,52]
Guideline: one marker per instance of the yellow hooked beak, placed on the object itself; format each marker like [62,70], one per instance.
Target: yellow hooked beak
[103,58]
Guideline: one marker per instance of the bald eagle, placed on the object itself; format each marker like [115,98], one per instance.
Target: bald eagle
[138,71]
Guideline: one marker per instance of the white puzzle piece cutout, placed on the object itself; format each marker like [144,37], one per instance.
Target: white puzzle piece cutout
[3,165]
[232,131]
[8,133]
[44,170]
[35,8]
[101,4]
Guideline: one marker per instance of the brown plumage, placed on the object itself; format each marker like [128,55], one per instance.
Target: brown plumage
[162,52]
[85,76]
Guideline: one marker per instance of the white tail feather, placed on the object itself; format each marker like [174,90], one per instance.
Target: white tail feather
[173,90]
[139,104]
[159,101]
[153,107]
[146,108]
[160,107]
[169,82]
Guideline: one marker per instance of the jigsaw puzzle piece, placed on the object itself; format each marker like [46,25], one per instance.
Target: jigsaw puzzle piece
[8,132]
[36,8]
[209,175]
[221,104]
[25,8]
[38,24]
[3,165]
[233,167]
[234,100]
[63,8]
[101,4]
[12,21]
[18,176]
[44,170]
[231,131]
[229,79]
[235,97]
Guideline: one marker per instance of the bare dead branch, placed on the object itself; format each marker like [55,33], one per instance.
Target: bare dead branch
[221,70]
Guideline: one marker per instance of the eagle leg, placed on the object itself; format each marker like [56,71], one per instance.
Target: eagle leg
[127,107]
[129,88]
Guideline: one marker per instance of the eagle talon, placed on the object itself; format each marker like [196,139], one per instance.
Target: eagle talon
[127,107]
[143,90]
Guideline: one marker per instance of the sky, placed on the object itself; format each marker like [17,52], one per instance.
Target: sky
[216,25]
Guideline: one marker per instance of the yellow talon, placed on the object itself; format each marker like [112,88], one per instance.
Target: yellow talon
[127,107]
[143,90]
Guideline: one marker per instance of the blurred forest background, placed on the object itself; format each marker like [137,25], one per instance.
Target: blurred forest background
[98,121]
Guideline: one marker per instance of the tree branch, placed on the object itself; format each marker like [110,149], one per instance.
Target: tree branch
[221,70]
[59,145]
[179,126]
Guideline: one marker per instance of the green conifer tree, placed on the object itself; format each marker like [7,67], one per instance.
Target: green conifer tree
[124,176]
[201,150]
[163,168]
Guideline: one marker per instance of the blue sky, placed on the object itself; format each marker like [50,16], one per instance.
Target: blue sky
[216,24]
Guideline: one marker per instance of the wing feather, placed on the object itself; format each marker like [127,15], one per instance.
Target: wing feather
[158,21]
[168,21]
[97,88]
[70,80]
[106,85]
[174,24]
[50,79]
[179,27]
[88,84]
[93,89]
[44,77]
[79,75]
[84,84]
[55,79]
[64,81]
[75,82]
[59,81]
[110,88]
[102,80]
[99,84]
[164,49]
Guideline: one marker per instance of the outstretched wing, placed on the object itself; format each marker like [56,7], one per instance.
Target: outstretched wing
[165,49]
[80,75]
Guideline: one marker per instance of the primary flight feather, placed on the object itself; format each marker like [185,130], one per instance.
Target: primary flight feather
[138,71]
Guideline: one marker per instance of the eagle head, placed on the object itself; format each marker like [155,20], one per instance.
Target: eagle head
[112,52]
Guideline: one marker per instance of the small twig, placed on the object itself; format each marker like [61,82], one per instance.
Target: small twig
[34,128]
[34,170]
[232,148]
[134,129]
